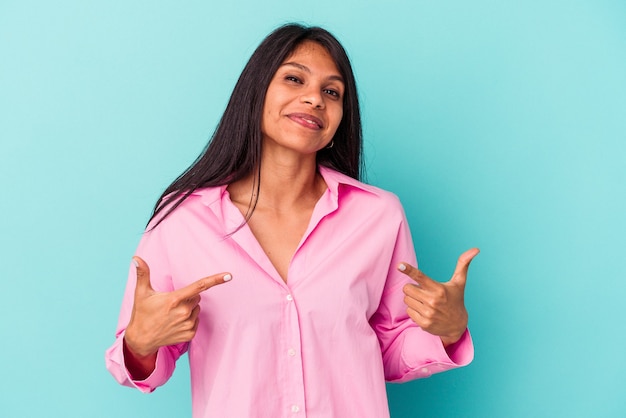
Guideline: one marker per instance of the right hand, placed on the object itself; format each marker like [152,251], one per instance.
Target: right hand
[164,318]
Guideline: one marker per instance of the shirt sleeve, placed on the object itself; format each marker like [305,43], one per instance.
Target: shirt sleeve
[153,250]
[408,351]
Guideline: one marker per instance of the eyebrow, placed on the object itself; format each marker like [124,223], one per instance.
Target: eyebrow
[308,70]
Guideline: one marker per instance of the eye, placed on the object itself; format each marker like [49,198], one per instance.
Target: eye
[293,79]
[332,92]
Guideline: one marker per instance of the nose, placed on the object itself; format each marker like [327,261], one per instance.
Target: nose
[313,97]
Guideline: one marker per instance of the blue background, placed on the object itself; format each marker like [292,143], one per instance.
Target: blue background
[500,124]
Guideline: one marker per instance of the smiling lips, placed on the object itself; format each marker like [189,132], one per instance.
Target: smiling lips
[308,121]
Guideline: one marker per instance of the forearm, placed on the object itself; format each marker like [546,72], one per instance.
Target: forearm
[139,366]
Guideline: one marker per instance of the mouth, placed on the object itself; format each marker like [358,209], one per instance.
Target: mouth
[308,121]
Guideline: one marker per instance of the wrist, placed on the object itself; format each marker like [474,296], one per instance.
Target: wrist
[451,340]
[136,349]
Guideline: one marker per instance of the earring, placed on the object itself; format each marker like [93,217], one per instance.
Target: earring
[332,144]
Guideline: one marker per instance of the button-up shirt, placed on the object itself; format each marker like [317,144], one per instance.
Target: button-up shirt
[320,344]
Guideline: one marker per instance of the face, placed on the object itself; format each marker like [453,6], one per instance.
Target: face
[304,102]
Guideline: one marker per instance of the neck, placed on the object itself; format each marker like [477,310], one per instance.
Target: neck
[285,184]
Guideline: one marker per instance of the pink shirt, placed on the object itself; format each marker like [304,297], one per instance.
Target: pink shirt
[320,345]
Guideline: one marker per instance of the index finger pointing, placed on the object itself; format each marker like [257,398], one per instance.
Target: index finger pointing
[201,285]
[414,273]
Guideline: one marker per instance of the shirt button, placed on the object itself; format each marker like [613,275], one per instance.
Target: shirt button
[289,297]
[425,370]
[291,352]
[295,408]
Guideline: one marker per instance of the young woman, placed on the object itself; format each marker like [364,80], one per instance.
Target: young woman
[317,301]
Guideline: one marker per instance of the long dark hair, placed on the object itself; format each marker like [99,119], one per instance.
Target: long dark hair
[234,150]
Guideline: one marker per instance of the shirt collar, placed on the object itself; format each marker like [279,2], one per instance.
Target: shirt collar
[332,178]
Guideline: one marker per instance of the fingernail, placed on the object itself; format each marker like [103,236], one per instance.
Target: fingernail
[135,263]
[227,277]
[401,267]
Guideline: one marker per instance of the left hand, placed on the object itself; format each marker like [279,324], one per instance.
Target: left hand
[439,308]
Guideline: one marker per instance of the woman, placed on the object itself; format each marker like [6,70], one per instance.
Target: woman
[324,304]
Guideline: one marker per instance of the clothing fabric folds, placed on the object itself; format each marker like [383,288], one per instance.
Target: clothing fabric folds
[320,345]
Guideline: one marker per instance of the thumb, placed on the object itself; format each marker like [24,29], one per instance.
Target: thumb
[460,272]
[143,277]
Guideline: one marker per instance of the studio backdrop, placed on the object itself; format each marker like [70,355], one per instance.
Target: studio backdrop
[499,124]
